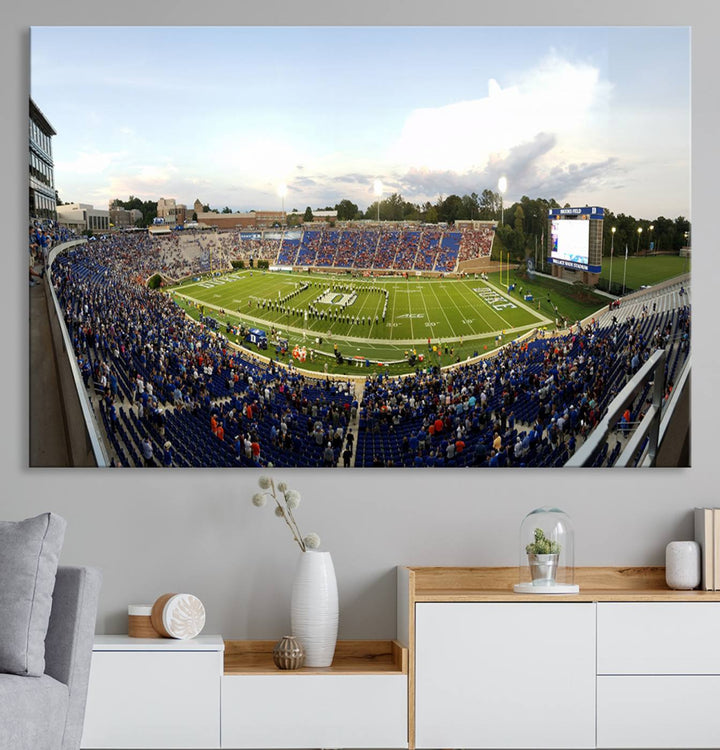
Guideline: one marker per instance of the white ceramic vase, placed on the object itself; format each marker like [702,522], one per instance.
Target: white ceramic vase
[314,607]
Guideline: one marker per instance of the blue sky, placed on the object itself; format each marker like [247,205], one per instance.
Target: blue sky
[596,115]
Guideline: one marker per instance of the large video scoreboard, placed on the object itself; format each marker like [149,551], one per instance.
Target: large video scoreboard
[575,238]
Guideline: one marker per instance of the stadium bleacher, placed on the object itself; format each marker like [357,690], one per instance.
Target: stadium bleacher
[157,375]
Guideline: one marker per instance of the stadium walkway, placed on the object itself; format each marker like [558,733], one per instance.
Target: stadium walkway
[48,444]
[664,296]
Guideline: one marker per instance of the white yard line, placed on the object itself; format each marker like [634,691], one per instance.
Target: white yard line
[409,307]
[442,310]
[473,298]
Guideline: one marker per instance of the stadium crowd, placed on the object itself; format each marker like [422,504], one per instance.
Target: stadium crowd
[137,350]
[476,243]
[189,252]
[527,406]
[384,249]
[160,377]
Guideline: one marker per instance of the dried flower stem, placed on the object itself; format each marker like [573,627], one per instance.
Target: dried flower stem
[288,517]
[286,500]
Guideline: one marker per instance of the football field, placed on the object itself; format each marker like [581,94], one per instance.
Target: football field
[365,317]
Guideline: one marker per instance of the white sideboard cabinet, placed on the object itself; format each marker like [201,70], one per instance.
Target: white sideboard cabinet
[625,663]
[358,702]
[497,675]
[658,683]
[154,693]
[208,693]
[314,710]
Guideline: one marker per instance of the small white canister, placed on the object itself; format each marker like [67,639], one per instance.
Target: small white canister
[139,621]
[682,565]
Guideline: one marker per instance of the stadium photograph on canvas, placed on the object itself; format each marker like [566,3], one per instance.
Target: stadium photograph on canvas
[362,247]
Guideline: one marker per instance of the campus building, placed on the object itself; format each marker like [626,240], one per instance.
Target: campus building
[121,218]
[171,212]
[318,217]
[82,216]
[253,219]
[42,201]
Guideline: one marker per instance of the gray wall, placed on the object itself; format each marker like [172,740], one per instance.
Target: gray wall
[196,531]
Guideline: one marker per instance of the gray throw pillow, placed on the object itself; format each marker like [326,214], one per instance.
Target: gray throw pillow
[29,553]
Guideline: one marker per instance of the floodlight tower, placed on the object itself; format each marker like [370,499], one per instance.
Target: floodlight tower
[502,187]
[378,190]
[282,192]
[612,250]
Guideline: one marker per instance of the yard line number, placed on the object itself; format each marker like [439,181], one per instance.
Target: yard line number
[493,299]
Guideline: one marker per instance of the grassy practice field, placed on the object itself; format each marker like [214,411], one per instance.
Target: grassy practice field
[386,319]
[643,270]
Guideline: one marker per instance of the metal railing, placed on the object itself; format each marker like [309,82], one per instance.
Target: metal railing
[674,405]
[649,427]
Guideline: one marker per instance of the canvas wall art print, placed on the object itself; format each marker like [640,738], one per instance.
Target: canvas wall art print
[361,247]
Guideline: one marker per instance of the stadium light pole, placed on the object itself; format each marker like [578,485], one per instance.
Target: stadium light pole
[502,187]
[282,192]
[650,228]
[639,231]
[612,250]
[378,190]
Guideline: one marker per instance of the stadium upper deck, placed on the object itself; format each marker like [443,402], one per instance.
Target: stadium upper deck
[400,249]
[428,249]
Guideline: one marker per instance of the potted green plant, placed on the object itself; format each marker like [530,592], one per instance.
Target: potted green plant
[543,555]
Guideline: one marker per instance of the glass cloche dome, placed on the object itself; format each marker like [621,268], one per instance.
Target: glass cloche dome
[546,553]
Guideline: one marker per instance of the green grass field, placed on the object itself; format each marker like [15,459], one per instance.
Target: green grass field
[643,270]
[461,317]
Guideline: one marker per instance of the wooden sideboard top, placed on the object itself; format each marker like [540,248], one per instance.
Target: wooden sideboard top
[351,657]
[631,584]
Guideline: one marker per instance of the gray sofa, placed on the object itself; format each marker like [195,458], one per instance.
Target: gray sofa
[46,712]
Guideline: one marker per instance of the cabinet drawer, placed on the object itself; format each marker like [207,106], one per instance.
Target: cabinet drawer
[308,711]
[658,638]
[658,711]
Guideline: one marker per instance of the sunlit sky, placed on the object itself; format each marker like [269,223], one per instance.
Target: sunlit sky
[585,115]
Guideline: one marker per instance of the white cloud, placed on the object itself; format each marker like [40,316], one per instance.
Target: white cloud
[155,181]
[265,161]
[558,97]
[89,163]
[155,174]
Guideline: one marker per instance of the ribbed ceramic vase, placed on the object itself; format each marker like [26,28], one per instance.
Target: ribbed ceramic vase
[288,653]
[314,607]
